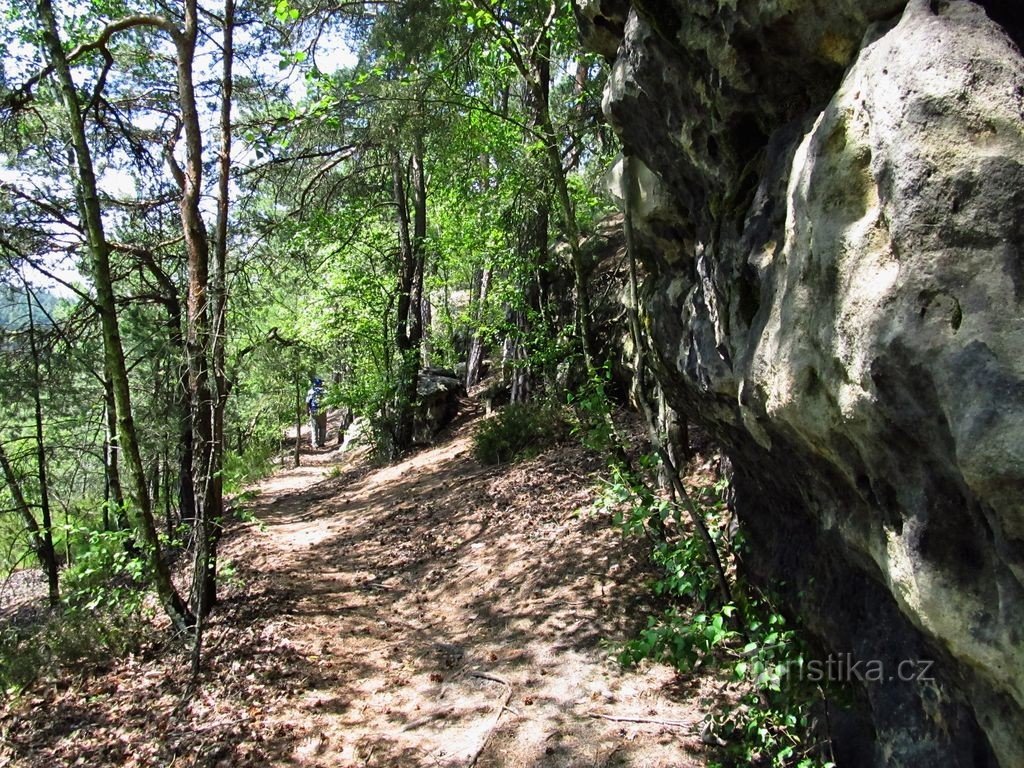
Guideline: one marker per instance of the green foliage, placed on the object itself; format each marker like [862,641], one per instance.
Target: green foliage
[242,469]
[107,571]
[103,615]
[592,423]
[70,639]
[313,250]
[519,431]
[13,313]
[774,722]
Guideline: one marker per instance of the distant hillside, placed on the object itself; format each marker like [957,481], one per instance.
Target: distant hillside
[13,308]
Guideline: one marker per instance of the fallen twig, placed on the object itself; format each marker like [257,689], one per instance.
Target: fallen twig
[492,678]
[494,725]
[439,715]
[218,724]
[649,720]
[471,570]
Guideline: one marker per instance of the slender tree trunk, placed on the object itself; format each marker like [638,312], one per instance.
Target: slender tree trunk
[156,483]
[218,305]
[673,426]
[112,468]
[640,352]
[168,513]
[49,554]
[99,251]
[44,551]
[535,69]
[299,418]
[206,457]
[407,326]
[419,243]
[572,234]
[107,527]
[476,343]
[183,407]
[427,346]
[406,266]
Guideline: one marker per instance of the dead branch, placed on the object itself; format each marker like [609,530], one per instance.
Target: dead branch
[645,720]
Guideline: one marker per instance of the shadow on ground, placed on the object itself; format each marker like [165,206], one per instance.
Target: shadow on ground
[429,613]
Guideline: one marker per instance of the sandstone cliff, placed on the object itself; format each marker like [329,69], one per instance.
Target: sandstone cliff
[829,200]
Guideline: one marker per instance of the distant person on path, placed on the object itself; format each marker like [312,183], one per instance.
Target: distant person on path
[317,413]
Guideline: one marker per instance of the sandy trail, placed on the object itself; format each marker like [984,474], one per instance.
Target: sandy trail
[457,615]
[429,613]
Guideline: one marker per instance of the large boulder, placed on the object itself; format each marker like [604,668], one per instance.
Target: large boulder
[437,402]
[829,203]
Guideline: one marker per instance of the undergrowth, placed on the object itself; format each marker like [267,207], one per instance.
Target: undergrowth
[775,721]
[519,431]
[242,469]
[103,615]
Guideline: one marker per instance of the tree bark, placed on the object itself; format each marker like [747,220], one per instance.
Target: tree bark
[112,469]
[182,403]
[206,568]
[99,252]
[206,457]
[44,551]
[48,554]
[476,343]
[408,324]
[299,418]
[419,241]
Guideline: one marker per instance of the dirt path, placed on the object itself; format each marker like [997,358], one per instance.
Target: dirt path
[457,616]
[430,613]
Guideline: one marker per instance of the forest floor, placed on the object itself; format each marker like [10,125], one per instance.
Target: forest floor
[434,612]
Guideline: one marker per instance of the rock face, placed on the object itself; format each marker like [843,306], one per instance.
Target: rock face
[829,203]
[437,402]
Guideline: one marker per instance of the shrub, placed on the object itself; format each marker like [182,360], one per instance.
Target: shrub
[774,723]
[519,431]
[102,615]
[70,638]
[242,469]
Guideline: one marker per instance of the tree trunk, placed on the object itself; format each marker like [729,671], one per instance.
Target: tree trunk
[183,407]
[48,553]
[535,69]
[206,566]
[299,418]
[99,251]
[168,509]
[206,456]
[44,550]
[476,343]
[427,318]
[572,234]
[112,469]
[677,439]
[408,325]
[419,243]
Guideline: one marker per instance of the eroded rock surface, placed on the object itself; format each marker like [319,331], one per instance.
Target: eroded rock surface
[829,202]
[437,392]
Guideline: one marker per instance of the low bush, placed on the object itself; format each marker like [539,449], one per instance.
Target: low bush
[253,464]
[71,638]
[775,722]
[519,431]
[103,614]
